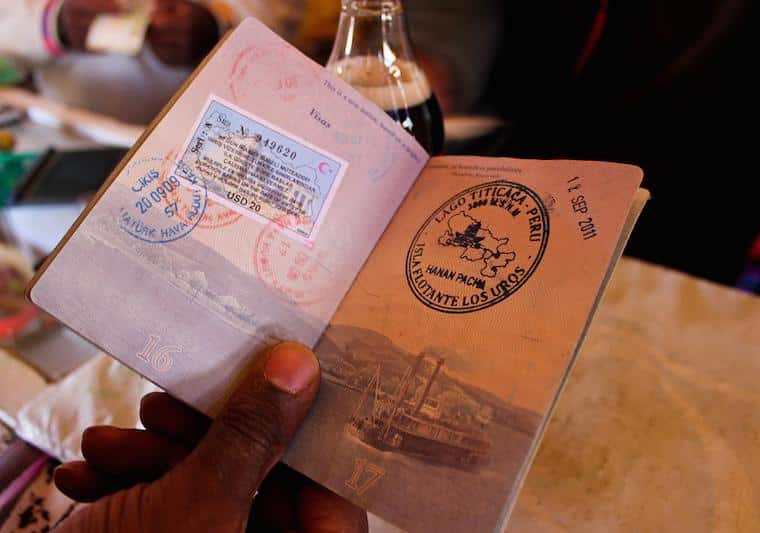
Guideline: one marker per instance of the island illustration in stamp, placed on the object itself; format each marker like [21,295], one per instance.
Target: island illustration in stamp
[445,298]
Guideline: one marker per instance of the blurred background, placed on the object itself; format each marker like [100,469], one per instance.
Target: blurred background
[662,84]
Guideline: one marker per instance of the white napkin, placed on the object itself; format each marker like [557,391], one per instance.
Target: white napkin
[102,391]
[19,384]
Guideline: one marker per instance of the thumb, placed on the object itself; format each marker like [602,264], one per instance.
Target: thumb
[250,434]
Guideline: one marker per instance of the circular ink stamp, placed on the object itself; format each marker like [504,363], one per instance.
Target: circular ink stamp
[478,248]
[294,270]
[147,216]
[248,74]
[215,216]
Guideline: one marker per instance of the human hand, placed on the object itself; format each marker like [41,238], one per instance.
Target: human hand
[181,32]
[185,473]
[76,17]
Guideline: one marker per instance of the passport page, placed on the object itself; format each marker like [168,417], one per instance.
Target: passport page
[443,362]
[240,218]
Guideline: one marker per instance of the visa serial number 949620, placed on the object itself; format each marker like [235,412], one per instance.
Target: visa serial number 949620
[274,146]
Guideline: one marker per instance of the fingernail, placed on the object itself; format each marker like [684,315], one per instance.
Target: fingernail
[63,473]
[291,367]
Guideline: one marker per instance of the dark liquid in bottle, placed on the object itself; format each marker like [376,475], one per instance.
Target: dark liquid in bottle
[403,92]
[424,121]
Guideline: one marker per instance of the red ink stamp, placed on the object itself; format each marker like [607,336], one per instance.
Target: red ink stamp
[214,216]
[246,79]
[296,271]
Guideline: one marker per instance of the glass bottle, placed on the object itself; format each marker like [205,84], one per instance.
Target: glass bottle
[373,53]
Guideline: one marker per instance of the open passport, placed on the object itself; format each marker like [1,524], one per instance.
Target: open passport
[447,298]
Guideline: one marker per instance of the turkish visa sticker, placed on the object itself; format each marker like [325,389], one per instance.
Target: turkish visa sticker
[259,170]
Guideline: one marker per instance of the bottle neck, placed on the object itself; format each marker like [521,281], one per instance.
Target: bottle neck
[375,28]
[376,5]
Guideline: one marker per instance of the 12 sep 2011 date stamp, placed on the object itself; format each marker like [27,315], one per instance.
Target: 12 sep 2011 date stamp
[579,204]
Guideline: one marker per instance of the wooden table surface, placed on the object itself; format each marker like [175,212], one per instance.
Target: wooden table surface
[658,428]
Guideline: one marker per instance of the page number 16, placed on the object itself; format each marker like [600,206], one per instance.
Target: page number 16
[159,357]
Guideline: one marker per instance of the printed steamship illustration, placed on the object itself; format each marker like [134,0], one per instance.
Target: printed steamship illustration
[411,404]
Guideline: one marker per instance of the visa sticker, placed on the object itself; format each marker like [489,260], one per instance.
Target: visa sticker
[255,168]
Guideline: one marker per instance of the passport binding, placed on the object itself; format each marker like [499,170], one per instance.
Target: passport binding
[446,298]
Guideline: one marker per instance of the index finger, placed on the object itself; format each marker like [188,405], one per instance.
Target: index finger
[161,413]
